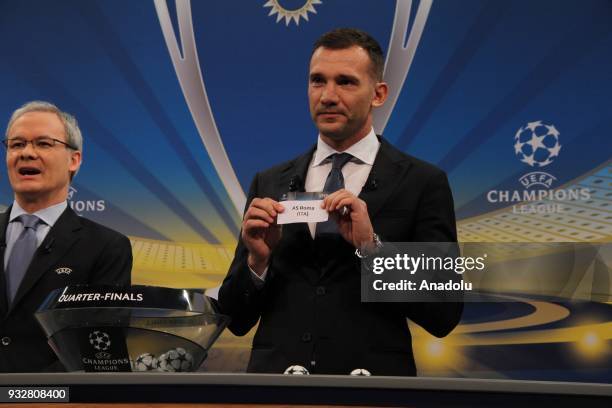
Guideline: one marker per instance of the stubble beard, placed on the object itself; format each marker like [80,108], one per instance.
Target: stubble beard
[342,133]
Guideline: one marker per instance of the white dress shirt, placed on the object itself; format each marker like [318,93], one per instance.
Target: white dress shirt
[355,173]
[14,228]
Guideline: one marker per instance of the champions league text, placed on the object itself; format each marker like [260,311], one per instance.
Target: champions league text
[538,201]
[105,364]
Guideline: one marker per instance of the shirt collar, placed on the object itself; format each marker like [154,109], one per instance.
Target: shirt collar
[364,150]
[48,215]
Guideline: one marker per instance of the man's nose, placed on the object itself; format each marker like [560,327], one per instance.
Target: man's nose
[28,151]
[329,95]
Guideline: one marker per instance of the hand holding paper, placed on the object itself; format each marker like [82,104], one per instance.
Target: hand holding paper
[260,232]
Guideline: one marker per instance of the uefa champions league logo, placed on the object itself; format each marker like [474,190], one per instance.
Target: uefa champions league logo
[104,361]
[99,340]
[537,145]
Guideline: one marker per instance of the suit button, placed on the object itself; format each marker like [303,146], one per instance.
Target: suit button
[320,290]
[306,337]
[6,341]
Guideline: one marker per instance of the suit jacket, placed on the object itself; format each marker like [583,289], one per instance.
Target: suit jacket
[94,253]
[309,309]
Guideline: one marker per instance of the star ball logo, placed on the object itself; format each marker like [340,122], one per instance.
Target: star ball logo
[537,144]
[99,340]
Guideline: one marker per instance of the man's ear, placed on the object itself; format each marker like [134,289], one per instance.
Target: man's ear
[381,91]
[75,161]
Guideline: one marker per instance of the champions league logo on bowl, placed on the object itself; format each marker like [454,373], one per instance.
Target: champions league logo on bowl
[99,340]
[102,359]
[537,144]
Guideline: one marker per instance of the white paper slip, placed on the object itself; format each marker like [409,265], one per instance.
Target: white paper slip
[302,211]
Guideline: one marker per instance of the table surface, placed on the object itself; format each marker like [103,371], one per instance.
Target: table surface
[262,390]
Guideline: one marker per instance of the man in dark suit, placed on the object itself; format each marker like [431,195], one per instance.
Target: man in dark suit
[43,243]
[302,282]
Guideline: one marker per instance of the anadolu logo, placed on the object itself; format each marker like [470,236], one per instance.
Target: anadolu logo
[84,205]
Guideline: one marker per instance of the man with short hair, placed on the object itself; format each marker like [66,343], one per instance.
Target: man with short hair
[43,243]
[303,282]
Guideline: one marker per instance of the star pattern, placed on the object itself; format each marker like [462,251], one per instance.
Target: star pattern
[536,144]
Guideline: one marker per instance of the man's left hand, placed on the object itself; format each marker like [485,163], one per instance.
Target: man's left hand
[354,225]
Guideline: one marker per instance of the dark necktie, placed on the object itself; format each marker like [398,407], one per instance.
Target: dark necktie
[21,254]
[334,182]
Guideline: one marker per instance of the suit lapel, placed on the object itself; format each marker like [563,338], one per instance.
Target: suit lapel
[59,240]
[4,217]
[293,177]
[388,167]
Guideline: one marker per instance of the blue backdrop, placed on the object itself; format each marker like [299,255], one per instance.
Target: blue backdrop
[488,79]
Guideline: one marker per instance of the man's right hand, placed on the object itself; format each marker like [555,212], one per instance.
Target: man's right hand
[260,233]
